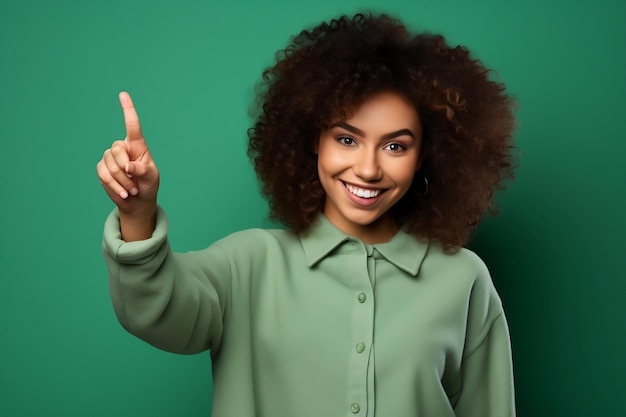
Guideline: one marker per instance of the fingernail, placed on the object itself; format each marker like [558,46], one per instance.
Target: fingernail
[124,195]
[134,191]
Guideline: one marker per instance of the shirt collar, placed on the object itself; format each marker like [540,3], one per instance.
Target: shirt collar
[404,250]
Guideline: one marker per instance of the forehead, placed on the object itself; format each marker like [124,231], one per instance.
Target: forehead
[383,110]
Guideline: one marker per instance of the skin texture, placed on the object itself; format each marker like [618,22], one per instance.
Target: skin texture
[130,177]
[377,149]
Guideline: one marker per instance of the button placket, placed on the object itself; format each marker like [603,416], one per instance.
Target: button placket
[361,388]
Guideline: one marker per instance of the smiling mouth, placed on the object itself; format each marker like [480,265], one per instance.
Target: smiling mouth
[363,192]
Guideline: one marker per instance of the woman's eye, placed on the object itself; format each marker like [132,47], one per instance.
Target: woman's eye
[346,140]
[395,147]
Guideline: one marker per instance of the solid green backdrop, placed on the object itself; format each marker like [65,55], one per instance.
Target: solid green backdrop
[556,252]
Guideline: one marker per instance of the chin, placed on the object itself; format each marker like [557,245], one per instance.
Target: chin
[365,220]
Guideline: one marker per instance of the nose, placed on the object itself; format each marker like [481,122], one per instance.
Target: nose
[367,166]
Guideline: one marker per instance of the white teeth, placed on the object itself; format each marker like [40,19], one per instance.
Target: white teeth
[363,193]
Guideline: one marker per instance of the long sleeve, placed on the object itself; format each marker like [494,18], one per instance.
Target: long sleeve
[487,376]
[172,301]
[487,387]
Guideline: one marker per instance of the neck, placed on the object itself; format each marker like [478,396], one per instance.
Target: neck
[380,231]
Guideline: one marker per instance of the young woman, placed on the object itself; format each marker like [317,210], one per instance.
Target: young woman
[379,151]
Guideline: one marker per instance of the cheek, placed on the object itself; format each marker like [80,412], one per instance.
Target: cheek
[403,174]
[330,161]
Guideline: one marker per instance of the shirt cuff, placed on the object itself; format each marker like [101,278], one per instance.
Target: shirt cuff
[137,252]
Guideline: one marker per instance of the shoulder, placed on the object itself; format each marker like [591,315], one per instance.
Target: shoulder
[482,282]
[245,253]
[463,262]
[258,235]
[258,241]
[463,269]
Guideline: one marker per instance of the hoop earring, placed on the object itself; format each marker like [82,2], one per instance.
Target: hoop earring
[423,190]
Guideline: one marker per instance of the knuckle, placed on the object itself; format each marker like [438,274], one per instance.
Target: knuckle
[114,169]
[118,148]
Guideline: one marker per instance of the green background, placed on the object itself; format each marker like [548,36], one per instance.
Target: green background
[556,252]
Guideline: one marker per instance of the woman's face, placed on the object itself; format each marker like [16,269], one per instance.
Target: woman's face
[367,163]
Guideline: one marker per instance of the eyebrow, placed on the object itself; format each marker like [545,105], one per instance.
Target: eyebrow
[386,136]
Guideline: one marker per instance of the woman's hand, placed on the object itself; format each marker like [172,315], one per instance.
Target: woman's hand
[130,177]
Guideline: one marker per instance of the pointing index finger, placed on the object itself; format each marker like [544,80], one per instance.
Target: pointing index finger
[131,120]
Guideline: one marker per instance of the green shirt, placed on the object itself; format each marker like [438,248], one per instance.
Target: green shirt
[322,324]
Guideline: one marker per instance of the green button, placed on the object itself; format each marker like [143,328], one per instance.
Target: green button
[360,347]
[362,297]
[355,408]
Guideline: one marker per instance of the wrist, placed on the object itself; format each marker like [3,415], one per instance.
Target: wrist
[138,224]
[143,211]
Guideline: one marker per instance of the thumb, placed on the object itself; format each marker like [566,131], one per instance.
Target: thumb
[146,171]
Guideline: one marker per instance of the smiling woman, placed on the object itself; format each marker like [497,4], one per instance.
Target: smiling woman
[366,164]
[368,293]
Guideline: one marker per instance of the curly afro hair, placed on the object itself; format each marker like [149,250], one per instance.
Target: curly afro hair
[327,72]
